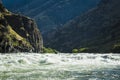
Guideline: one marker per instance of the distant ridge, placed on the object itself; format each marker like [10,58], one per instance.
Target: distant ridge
[51,14]
[98,30]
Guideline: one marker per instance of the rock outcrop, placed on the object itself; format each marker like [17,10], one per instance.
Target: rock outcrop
[18,33]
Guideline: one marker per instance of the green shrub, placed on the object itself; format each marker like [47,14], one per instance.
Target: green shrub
[49,50]
[116,49]
[83,50]
[75,51]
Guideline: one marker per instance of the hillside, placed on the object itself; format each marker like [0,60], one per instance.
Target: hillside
[18,33]
[98,30]
[15,4]
[50,14]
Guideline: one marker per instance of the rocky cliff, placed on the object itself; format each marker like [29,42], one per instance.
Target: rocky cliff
[98,30]
[18,33]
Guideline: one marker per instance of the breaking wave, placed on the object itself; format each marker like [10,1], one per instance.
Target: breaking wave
[32,66]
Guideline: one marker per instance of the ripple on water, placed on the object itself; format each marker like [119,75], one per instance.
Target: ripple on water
[60,67]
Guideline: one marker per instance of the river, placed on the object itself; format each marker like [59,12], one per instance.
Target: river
[32,66]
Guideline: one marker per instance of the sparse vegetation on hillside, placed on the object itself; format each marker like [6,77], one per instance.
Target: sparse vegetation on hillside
[49,50]
[18,33]
[81,50]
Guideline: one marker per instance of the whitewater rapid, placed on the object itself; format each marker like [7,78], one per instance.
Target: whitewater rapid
[32,66]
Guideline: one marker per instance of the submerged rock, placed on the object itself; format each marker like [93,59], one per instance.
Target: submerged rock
[18,33]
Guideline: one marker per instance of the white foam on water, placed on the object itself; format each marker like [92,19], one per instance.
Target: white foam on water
[22,60]
[58,66]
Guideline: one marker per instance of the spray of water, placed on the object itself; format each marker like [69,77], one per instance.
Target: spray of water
[31,66]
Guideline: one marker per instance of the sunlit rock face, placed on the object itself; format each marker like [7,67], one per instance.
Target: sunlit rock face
[18,33]
[98,30]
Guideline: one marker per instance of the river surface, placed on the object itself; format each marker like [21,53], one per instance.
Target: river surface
[28,66]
